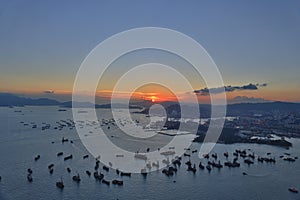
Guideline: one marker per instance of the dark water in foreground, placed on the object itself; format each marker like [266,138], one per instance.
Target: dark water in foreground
[19,144]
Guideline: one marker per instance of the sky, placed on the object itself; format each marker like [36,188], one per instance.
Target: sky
[43,43]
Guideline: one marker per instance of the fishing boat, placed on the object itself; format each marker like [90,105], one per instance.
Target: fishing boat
[29,178]
[76,178]
[140,156]
[60,184]
[294,190]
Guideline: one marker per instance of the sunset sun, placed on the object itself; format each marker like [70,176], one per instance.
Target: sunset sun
[153,98]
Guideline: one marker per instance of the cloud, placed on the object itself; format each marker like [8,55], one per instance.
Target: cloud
[229,88]
[49,92]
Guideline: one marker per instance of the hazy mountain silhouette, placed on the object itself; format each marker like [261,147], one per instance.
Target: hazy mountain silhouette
[238,109]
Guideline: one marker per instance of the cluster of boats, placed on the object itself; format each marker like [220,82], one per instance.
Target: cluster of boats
[213,160]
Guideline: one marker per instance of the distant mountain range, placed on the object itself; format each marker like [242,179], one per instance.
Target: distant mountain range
[7,99]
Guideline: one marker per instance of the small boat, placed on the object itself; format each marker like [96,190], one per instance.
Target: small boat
[186,155]
[64,140]
[60,153]
[208,167]
[175,162]
[125,174]
[226,154]
[215,156]
[206,156]
[247,161]
[37,157]
[50,166]
[192,169]
[69,170]
[188,163]
[106,182]
[60,184]
[294,190]
[117,182]
[98,176]
[244,173]
[140,156]
[167,153]
[76,178]
[201,166]
[68,157]
[85,156]
[51,171]
[29,178]
[105,168]
[144,172]
[119,155]
[289,159]
[88,173]
[29,171]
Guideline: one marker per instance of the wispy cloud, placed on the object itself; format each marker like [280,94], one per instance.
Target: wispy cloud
[206,91]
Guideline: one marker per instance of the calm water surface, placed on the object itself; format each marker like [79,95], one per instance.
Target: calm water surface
[19,144]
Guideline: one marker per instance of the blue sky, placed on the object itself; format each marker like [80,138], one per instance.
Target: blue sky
[44,42]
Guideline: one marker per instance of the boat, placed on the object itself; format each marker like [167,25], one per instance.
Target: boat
[144,172]
[206,156]
[175,162]
[37,157]
[226,154]
[289,159]
[98,176]
[50,166]
[294,190]
[60,153]
[106,182]
[244,173]
[85,156]
[167,153]
[29,171]
[208,167]
[105,168]
[140,156]
[64,140]
[192,169]
[201,166]
[68,157]
[125,174]
[60,184]
[117,182]
[188,163]
[68,169]
[88,173]
[51,171]
[187,155]
[76,178]
[247,161]
[29,178]
[215,156]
